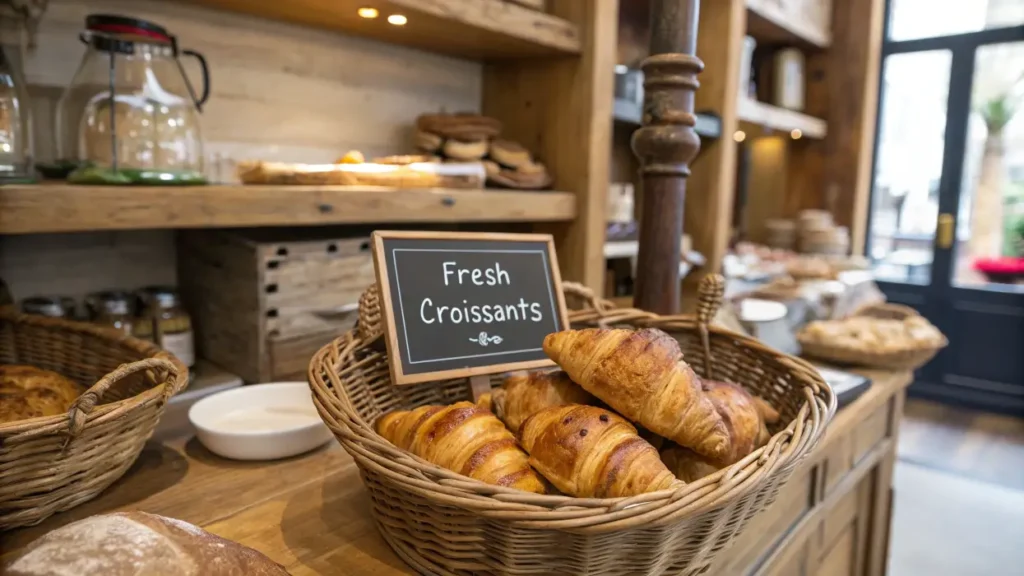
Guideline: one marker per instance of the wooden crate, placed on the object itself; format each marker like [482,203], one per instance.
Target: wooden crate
[262,302]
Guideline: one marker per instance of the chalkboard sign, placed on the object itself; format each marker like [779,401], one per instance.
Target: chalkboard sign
[462,304]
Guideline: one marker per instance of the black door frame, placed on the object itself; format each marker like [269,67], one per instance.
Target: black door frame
[934,298]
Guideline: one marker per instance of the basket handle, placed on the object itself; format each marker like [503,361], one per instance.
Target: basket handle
[164,370]
[600,305]
[710,294]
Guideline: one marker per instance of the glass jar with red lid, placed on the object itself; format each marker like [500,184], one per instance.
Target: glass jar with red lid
[131,115]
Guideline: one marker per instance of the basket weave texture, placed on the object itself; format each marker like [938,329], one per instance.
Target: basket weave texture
[441,522]
[908,359]
[54,463]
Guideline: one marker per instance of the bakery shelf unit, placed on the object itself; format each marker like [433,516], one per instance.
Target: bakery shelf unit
[65,208]
[546,70]
[769,161]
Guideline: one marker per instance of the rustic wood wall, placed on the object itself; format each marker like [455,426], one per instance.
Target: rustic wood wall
[279,92]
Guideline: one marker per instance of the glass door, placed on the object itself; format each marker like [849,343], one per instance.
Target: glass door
[946,223]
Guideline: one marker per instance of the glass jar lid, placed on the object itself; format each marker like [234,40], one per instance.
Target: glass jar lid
[162,297]
[113,302]
[44,306]
[114,33]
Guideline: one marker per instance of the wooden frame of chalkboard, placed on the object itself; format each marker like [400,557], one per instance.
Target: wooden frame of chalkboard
[420,252]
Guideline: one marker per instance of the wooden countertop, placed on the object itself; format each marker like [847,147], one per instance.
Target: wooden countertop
[310,513]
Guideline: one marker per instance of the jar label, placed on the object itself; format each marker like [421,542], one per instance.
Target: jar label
[181,345]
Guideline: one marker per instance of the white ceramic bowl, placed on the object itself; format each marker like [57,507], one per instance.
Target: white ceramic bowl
[259,422]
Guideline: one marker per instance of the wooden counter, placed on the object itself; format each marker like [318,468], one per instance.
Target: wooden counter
[311,513]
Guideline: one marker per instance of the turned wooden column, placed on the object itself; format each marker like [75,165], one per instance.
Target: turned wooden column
[665,146]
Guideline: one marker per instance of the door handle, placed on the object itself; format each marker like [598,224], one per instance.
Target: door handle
[944,231]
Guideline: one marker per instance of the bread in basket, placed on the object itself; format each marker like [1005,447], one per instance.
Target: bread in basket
[53,463]
[442,522]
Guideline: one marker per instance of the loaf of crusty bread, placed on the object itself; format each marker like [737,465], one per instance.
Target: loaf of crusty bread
[30,392]
[138,544]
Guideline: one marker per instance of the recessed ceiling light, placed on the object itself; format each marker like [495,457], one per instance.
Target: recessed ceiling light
[397,20]
[739,136]
[796,134]
[368,13]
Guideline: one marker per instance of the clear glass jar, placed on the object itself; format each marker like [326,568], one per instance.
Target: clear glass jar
[15,124]
[130,115]
[111,308]
[171,326]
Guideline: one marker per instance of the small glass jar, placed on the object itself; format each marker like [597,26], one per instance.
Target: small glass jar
[111,308]
[170,326]
[51,306]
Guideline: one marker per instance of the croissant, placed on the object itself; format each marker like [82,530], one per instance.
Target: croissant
[463,438]
[745,417]
[686,464]
[640,375]
[524,393]
[590,452]
[742,414]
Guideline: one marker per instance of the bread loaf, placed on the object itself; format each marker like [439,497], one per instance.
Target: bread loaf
[30,392]
[138,544]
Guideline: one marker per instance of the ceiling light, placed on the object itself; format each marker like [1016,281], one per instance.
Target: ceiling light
[621,68]
[739,136]
[368,13]
[796,134]
[397,20]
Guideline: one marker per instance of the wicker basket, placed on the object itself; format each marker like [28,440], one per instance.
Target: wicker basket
[441,522]
[909,359]
[54,463]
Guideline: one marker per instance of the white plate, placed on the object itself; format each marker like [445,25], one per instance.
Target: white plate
[259,422]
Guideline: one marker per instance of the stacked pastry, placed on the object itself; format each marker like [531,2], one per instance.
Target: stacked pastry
[591,429]
[471,137]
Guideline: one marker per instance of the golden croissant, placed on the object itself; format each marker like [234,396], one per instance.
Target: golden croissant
[640,374]
[463,438]
[524,393]
[590,452]
[745,418]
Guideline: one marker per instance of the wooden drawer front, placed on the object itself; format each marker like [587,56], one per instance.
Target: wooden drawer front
[843,541]
[838,461]
[289,357]
[771,525]
[870,432]
[794,561]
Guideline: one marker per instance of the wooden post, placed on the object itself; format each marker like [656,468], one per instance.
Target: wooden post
[665,145]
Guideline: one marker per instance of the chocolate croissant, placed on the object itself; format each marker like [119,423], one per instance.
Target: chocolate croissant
[524,393]
[590,452]
[463,438]
[640,374]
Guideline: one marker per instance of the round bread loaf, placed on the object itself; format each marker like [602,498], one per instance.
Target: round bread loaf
[136,543]
[30,392]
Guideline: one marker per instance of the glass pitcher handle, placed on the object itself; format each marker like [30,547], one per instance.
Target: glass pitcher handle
[206,79]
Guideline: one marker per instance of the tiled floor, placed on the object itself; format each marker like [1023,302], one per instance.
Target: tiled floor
[959,486]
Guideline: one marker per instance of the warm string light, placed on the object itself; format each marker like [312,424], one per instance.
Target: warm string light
[739,136]
[397,20]
[368,13]
[796,134]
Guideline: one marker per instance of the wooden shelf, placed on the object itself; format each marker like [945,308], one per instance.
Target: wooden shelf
[627,112]
[769,23]
[31,209]
[475,29]
[768,116]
